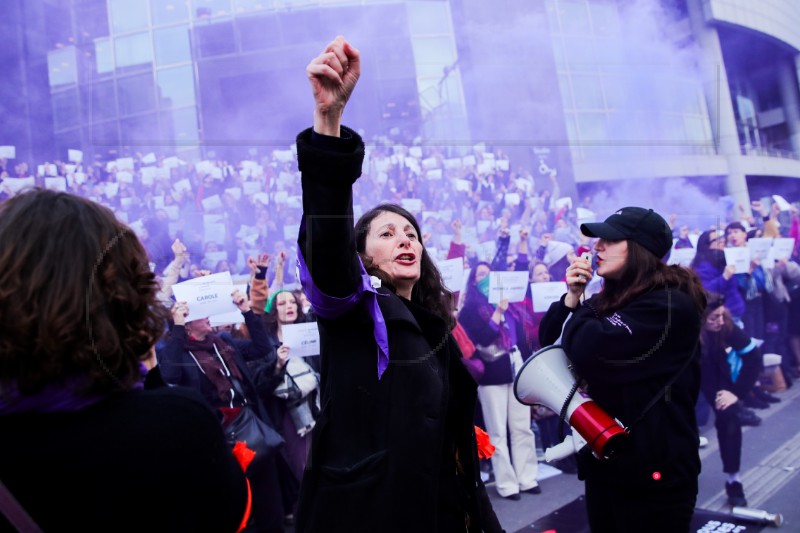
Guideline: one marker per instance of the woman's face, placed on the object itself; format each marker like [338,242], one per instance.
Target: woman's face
[395,248]
[716,242]
[611,258]
[287,307]
[540,274]
[715,320]
[481,272]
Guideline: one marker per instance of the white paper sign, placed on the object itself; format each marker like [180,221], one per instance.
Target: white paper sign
[251,187]
[56,184]
[8,152]
[783,205]
[236,192]
[502,164]
[303,338]
[543,294]
[172,211]
[171,162]
[414,205]
[435,174]
[111,189]
[149,159]
[183,185]
[125,163]
[148,175]
[290,231]
[738,257]
[206,296]
[452,271]
[759,247]
[212,202]
[214,233]
[468,160]
[682,256]
[509,286]
[76,156]
[512,199]
[124,177]
[415,151]
[15,185]
[781,249]
[430,163]
[233,317]
[462,185]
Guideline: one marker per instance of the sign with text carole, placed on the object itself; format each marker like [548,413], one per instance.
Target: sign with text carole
[544,294]
[303,339]
[206,296]
[509,286]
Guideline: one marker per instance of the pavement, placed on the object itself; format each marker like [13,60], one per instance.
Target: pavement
[770,466]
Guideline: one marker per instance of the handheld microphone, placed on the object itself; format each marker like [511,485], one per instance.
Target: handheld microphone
[588,257]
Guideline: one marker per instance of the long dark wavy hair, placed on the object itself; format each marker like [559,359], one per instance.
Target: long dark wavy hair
[704,251]
[78,301]
[643,272]
[429,291]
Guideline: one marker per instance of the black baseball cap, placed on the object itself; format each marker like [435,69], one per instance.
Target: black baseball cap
[640,225]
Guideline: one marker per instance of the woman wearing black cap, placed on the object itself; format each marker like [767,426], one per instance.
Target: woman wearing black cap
[635,346]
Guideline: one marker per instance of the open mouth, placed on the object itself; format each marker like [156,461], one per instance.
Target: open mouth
[408,259]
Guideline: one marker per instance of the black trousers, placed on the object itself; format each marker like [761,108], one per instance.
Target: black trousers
[633,510]
[729,435]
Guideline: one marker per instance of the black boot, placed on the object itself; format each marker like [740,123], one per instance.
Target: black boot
[748,417]
[763,395]
[735,493]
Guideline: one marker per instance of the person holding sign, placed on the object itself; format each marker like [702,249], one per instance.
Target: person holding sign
[635,345]
[219,368]
[501,341]
[715,275]
[292,394]
[85,445]
[394,449]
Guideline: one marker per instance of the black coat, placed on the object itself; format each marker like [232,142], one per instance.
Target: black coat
[378,450]
[627,359]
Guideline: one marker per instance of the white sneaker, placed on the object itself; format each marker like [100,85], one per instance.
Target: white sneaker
[703,441]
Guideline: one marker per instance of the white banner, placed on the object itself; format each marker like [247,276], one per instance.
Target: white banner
[303,339]
[509,286]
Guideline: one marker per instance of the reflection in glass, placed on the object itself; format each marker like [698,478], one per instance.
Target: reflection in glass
[62,66]
[101,102]
[135,94]
[180,125]
[127,15]
[103,56]
[172,45]
[211,8]
[176,87]
[169,11]
[65,109]
[133,50]
[140,130]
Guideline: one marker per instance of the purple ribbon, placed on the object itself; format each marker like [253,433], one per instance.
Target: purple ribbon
[331,306]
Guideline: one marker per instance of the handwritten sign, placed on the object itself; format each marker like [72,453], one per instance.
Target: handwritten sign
[739,258]
[232,317]
[303,339]
[509,286]
[759,247]
[452,271]
[206,296]
[544,294]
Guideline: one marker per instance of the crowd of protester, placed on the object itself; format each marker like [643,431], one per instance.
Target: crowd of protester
[211,216]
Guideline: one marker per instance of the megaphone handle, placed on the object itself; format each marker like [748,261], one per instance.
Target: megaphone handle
[562,416]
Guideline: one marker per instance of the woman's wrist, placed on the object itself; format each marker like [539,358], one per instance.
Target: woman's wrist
[328,122]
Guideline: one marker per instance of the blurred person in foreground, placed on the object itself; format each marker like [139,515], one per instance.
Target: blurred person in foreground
[635,344]
[91,449]
[394,449]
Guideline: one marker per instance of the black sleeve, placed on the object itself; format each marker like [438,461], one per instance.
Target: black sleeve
[327,239]
[552,322]
[649,337]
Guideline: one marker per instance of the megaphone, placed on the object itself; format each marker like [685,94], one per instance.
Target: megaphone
[546,379]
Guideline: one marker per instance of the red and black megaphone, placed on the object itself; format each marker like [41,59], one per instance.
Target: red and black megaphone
[546,379]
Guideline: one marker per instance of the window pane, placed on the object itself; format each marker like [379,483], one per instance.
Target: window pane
[127,16]
[169,11]
[100,101]
[135,94]
[172,45]
[592,127]
[215,39]
[574,17]
[66,109]
[180,125]
[243,6]
[176,87]
[103,56]
[428,17]
[588,94]
[140,130]
[105,134]
[93,17]
[133,50]
[211,8]
[62,66]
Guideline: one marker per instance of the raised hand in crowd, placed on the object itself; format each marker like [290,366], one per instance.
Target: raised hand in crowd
[283,357]
[256,264]
[333,76]
[240,301]
[179,313]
